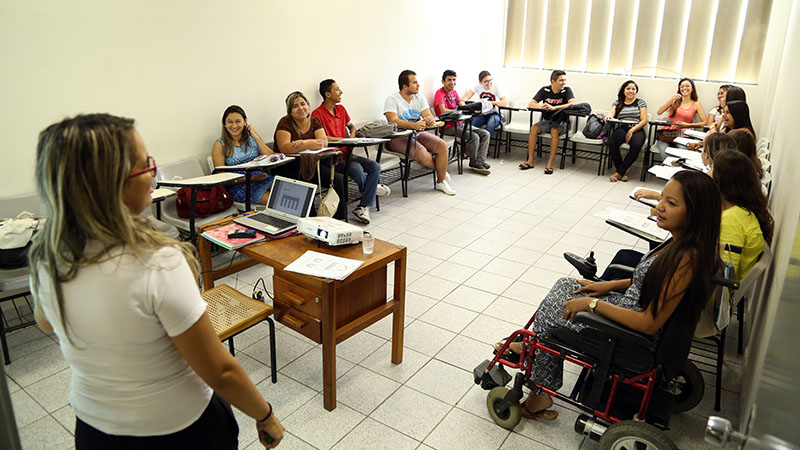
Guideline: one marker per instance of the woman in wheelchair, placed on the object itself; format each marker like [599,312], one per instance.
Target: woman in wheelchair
[676,273]
[238,144]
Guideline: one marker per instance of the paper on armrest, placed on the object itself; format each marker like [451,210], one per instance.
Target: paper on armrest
[323,265]
[647,201]
[638,223]
[664,172]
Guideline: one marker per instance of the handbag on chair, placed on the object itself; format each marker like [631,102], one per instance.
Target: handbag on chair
[330,203]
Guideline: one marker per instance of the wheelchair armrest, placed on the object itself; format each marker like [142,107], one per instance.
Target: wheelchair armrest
[622,268]
[610,327]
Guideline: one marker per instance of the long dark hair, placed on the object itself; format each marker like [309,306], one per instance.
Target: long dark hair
[677,103]
[621,96]
[699,241]
[227,139]
[735,94]
[741,116]
[746,144]
[736,178]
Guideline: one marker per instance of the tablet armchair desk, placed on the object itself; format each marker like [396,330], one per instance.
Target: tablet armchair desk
[326,311]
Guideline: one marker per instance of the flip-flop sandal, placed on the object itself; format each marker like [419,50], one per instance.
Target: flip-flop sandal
[508,354]
[613,179]
[548,170]
[525,166]
[545,414]
[624,178]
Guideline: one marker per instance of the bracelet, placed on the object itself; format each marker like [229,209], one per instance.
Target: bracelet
[268,415]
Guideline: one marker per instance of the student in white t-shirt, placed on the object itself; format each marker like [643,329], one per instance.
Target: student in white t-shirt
[410,111]
[148,370]
[489,91]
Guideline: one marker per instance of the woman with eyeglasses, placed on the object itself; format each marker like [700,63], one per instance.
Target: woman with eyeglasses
[148,370]
[238,144]
[486,89]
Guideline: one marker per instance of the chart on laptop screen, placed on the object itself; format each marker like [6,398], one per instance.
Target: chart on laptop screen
[289,198]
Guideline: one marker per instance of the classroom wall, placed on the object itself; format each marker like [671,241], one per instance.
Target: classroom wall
[175,66]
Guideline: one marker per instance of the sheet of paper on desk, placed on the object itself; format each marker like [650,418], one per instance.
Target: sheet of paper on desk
[685,141]
[639,223]
[359,141]
[692,155]
[323,265]
[697,134]
[664,172]
[260,163]
[312,152]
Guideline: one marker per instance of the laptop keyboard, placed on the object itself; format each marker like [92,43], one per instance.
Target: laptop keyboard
[273,221]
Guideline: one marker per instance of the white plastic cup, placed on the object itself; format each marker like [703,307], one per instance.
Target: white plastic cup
[367,243]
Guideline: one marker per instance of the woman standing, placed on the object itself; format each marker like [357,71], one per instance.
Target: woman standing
[630,109]
[238,144]
[148,370]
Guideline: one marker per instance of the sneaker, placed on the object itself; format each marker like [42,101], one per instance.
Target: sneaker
[362,214]
[480,168]
[444,186]
[486,165]
[383,190]
[447,177]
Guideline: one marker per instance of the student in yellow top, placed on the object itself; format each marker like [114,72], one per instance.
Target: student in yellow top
[746,220]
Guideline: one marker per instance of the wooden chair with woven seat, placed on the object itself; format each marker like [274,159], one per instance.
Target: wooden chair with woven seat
[232,312]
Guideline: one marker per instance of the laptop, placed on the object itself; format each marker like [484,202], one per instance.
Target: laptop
[289,200]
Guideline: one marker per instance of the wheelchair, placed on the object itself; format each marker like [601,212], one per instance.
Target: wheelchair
[629,384]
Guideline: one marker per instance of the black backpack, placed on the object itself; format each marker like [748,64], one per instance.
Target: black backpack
[594,126]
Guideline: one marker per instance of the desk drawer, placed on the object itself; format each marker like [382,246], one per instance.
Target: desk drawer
[297,297]
[298,321]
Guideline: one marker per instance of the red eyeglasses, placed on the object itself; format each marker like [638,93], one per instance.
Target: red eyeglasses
[151,167]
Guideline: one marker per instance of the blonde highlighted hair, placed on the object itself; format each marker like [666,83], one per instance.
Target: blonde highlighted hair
[82,165]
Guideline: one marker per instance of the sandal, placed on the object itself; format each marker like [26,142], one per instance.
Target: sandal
[545,414]
[525,166]
[509,351]
[548,170]
[613,178]
[624,178]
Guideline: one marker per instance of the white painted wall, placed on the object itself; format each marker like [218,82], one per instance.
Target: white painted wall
[175,66]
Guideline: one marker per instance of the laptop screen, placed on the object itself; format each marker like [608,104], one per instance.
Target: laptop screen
[291,198]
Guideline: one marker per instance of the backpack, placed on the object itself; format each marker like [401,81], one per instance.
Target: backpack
[377,129]
[209,201]
[594,126]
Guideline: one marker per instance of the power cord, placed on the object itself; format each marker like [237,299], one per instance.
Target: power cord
[259,295]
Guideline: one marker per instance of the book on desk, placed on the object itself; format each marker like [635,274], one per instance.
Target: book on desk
[220,237]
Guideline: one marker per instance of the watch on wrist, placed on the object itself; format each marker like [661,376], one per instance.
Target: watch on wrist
[592,305]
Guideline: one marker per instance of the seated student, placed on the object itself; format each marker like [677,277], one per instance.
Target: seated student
[683,107]
[410,110]
[733,94]
[297,130]
[737,117]
[627,107]
[672,278]
[487,90]
[747,146]
[148,370]
[715,113]
[551,98]
[238,144]
[446,99]
[337,124]
[716,143]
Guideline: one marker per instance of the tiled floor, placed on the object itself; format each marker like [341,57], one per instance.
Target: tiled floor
[478,265]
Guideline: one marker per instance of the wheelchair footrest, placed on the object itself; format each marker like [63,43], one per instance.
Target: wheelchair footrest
[491,379]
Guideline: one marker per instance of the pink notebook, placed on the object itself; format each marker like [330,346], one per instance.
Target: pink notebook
[219,236]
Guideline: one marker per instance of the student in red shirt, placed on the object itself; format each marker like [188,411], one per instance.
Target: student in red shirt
[363,171]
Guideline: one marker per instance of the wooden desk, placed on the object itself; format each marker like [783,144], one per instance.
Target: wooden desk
[326,311]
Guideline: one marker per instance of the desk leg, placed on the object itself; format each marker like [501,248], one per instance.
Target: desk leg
[329,351]
[204,248]
[399,315]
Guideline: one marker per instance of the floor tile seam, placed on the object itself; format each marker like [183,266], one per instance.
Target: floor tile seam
[338,375]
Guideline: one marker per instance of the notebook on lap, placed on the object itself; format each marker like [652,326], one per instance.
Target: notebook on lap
[289,200]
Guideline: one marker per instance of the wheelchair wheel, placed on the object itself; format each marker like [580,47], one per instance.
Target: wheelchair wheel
[633,435]
[507,417]
[689,388]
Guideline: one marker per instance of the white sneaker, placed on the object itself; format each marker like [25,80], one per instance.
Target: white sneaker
[383,191]
[362,214]
[447,177]
[444,186]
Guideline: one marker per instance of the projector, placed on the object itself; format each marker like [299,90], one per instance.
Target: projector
[329,230]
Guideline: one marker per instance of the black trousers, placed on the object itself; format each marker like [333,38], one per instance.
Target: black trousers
[215,429]
[616,139]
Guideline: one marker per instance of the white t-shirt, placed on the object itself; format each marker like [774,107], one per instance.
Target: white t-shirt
[408,111]
[128,378]
[491,95]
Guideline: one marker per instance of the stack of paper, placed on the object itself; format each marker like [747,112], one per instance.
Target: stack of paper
[363,141]
[324,266]
[638,224]
[695,134]
[664,172]
[685,141]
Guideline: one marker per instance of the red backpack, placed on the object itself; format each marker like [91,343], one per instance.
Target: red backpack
[209,201]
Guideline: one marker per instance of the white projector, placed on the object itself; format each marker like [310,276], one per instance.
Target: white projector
[329,230]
